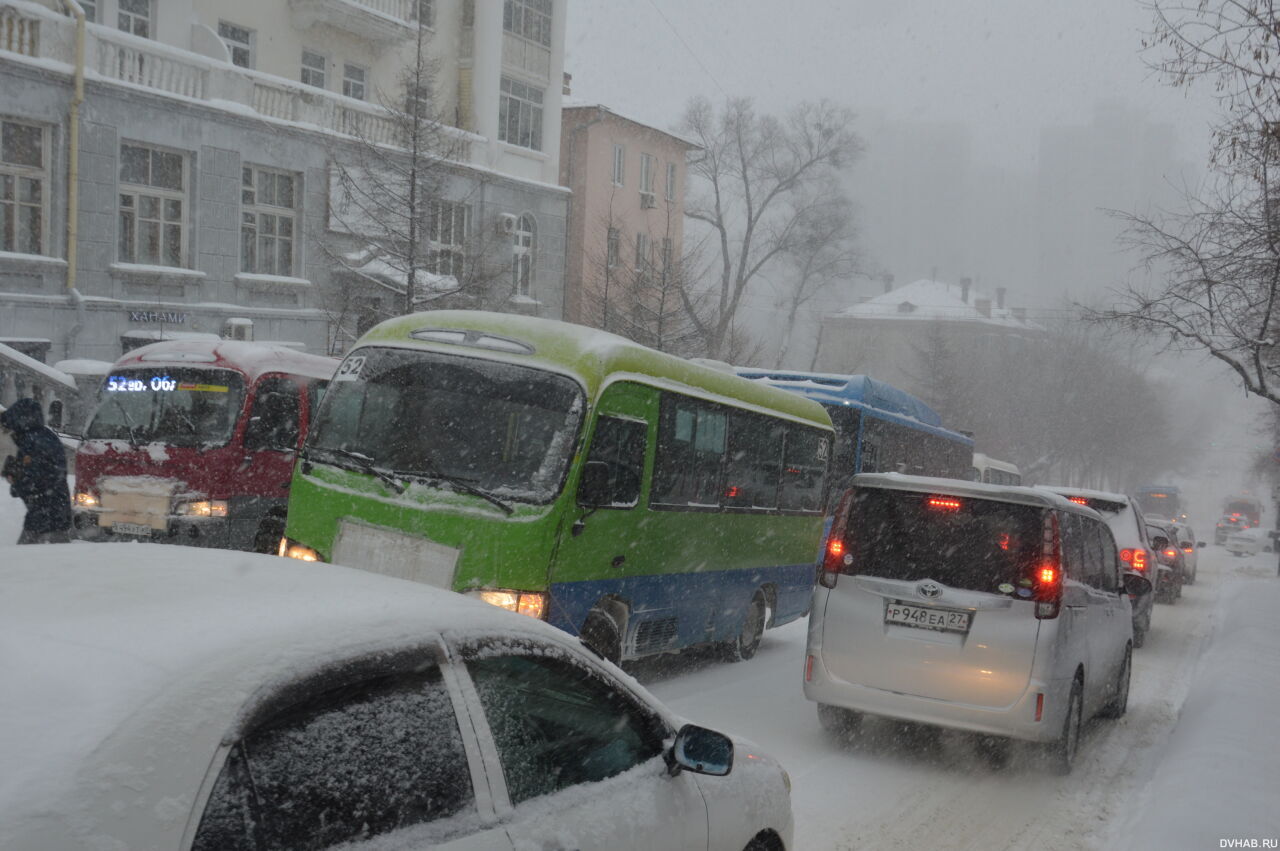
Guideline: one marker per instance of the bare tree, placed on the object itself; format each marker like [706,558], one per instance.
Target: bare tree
[390,192]
[824,253]
[753,182]
[1220,255]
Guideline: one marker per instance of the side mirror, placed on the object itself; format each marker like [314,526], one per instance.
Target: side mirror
[1159,543]
[702,751]
[593,489]
[1136,586]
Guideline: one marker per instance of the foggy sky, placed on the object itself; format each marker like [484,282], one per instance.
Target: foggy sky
[1005,67]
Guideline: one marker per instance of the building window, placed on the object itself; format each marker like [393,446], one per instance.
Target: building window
[90,10]
[427,13]
[612,242]
[642,252]
[448,226]
[619,165]
[313,65]
[153,206]
[671,181]
[522,255]
[239,40]
[134,16]
[647,198]
[24,180]
[268,221]
[529,19]
[353,85]
[520,114]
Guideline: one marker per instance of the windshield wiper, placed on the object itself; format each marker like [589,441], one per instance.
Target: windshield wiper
[364,462]
[433,473]
[134,442]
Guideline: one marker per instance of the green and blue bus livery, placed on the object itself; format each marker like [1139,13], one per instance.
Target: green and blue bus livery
[640,500]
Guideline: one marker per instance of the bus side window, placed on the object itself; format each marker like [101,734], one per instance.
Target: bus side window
[804,469]
[691,450]
[620,444]
[273,423]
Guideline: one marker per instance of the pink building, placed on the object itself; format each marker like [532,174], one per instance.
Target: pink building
[626,221]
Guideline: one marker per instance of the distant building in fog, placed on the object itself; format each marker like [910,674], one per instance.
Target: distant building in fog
[888,335]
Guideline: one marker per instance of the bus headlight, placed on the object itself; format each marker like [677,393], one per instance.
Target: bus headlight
[292,549]
[86,499]
[202,508]
[531,603]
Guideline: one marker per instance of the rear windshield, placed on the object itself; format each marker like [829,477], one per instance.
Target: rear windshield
[974,544]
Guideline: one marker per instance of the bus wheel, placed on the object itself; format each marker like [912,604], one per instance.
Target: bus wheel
[747,642]
[601,635]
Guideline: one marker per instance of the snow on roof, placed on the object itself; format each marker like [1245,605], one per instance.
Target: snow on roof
[55,375]
[251,359]
[571,103]
[927,300]
[109,645]
[977,490]
[369,263]
[83,366]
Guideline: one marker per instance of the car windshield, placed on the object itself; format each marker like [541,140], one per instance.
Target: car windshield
[505,429]
[176,406]
[975,544]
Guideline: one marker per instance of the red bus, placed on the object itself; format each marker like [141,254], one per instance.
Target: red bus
[193,442]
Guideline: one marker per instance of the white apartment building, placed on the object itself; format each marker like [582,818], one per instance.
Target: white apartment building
[207,144]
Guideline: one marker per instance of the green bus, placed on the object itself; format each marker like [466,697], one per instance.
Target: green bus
[642,501]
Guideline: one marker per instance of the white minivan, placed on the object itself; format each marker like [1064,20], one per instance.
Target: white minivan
[996,610]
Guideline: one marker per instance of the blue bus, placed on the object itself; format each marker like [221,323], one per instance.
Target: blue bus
[879,428]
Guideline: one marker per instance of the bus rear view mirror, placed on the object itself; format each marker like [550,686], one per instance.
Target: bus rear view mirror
[593,490]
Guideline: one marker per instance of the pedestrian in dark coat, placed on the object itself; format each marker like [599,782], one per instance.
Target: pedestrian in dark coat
[37,474]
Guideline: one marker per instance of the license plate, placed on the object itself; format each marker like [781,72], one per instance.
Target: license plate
[944,620]
[131,529]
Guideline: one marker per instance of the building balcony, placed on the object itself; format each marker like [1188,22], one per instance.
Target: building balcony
[376,20]
[33,34]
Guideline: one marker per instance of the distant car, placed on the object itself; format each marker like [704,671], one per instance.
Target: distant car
[1169,558]
[1186,541]
[993,609]
[1239,514]
[1124,518]
[1247,542]
[201,699]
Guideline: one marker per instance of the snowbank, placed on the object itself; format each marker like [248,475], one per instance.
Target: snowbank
[1221,769]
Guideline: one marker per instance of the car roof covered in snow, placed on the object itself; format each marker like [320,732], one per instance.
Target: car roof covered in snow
[592,357]
[253,360]
[1102,496]
[976,490]
[127,665]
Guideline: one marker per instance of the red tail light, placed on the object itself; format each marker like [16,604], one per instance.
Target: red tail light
[835,559]
[1039,705]
[1140,560]
[1078,500]
[1046,579]
[1171,553]
[1126,556]
[1186,548]
[943,503]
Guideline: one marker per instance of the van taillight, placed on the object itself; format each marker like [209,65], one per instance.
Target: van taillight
[1126,556]
[836,558]
[1046,578]
[1140,560]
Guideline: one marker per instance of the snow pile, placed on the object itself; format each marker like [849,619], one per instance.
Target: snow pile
[1221,769]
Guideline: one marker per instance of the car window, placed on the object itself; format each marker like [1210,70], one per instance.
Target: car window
[1091,536]
[347,764]
[1073,554]
[557,724]
[273,422]
[620,444]
[1110,560]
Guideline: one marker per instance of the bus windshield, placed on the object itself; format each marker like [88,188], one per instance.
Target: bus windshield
[176,406]
[505,429]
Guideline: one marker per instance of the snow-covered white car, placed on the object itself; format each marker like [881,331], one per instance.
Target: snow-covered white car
[995,610]
[1246,542]
[174,698]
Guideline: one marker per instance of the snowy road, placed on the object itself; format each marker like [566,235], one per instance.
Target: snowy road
[902,788]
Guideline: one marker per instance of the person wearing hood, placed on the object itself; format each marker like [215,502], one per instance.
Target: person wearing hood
[37,474]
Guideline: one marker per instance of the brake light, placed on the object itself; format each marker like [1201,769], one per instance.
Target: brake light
[1171,553]
[835,558]
[943,503]
[808,668]
[1047,577]
[1039,705]
[1126,556]
[1186,548]
[1078,500]
[1140,560]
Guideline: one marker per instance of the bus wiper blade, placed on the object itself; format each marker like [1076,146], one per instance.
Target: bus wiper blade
[365,463]
[458,483]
